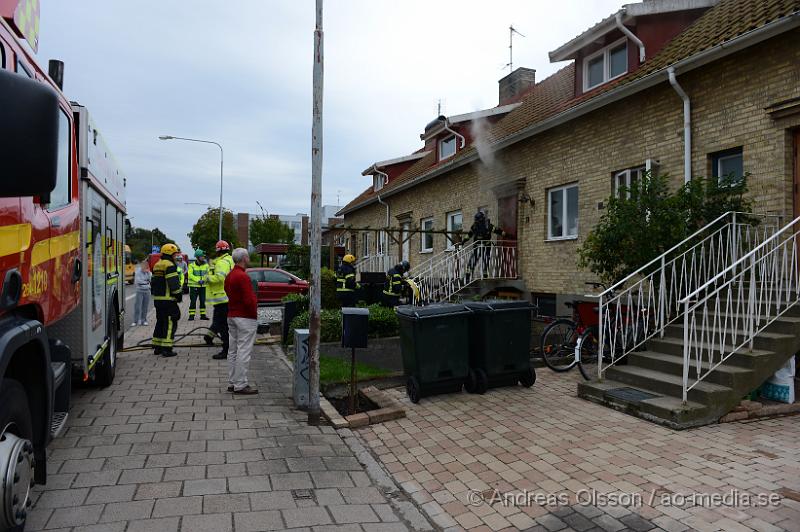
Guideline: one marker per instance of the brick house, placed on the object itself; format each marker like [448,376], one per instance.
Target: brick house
[546,159]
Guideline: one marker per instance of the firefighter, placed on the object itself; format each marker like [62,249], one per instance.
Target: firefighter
[394,284]
[198,274]
[346,285]
[216,296]
[481,233]
[166,290]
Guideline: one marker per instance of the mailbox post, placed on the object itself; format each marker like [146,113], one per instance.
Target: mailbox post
[355,324]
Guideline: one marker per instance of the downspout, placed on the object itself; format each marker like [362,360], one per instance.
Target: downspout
[629,34]
[387,218]
[447,128]
[687,125]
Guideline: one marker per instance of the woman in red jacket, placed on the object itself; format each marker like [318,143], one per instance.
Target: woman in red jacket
[242,322]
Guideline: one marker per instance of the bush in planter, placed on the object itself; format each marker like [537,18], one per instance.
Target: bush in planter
[329,299]
[383,321]
[330,324]
[300,299]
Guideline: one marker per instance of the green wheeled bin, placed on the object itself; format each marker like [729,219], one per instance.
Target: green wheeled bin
[499,347]
[434,341]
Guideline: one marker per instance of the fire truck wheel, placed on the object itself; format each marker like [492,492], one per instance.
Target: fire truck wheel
[107,367]
[16,455]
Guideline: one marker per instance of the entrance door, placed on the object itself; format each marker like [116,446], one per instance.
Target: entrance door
[507,213]
[796,187]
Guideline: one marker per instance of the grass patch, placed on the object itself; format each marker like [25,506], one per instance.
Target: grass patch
[334,370]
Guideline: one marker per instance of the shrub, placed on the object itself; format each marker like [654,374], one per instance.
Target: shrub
[301,299]
[383,321]
[328,284]
[647,219]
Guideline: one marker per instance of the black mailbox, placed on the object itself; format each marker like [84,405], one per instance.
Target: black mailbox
[355,324]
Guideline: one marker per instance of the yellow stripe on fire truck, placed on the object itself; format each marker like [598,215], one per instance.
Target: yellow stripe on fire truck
[54,247]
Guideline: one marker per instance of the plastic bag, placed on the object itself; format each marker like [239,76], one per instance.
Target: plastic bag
[780,387]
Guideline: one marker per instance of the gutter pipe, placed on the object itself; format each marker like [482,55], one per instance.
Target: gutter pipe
[629,34]
[460,136]
[387,209]
[687,125]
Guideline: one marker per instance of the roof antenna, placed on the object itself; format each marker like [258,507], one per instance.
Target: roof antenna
[511,32]
[439,107]
[338,198]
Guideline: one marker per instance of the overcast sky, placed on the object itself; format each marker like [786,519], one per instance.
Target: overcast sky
[239,72]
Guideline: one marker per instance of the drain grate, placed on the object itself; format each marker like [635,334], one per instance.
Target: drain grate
[631,395]
[302,494]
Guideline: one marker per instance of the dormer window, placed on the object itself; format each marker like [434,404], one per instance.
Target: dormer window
[378,181]
[447,147]
[606,64]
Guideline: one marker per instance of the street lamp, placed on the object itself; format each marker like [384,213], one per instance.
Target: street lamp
[221,157]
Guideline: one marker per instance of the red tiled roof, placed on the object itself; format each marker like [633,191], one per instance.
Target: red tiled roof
[725,21]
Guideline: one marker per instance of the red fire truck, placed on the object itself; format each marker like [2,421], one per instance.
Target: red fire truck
[62,210]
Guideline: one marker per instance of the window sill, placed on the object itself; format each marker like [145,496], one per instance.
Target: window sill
[561,239]
[425,251]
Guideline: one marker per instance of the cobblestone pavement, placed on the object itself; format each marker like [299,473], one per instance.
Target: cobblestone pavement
[454,454]
[166,448]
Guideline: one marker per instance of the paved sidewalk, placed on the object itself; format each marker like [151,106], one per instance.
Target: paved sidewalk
[458,454]
[166,448]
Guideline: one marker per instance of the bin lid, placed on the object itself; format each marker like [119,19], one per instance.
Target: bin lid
[357,311]
[498,304]
[437,309]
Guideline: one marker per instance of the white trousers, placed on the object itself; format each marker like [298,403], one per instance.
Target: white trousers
[242,333]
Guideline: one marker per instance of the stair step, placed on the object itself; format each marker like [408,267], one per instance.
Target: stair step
[763,340]
[58,423]
[662,409]
[725,374]
[743,358]
[782,324]
[663,383]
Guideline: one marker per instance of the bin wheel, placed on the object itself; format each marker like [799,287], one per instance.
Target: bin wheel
[471,384]
[412,389]
[528,377]
[482,381]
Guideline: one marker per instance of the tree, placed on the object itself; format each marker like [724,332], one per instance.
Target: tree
[205,231]
[264,229]
[140,240]
[647,219]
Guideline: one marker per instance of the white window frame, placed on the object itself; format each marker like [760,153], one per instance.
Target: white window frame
[627,174]
[718,159]
[563,191]
[606,64]
[381,243]
[451,241]
[422,248]
[378,181]
[455,147]
[365,243]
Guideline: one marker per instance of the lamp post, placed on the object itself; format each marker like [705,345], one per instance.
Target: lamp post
[221,158]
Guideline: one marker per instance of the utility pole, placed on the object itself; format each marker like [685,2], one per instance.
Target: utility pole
[316,229]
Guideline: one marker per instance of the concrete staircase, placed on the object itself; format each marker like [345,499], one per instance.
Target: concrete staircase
[650,384]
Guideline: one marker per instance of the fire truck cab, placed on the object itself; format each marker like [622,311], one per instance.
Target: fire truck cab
[62,213]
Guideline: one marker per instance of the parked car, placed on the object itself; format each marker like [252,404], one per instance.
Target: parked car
[273,284]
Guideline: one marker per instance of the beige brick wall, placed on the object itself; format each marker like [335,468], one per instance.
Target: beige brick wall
[728,97]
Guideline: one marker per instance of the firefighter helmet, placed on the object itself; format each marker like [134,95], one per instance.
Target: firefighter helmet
[169,249]
[479,216]
[349,258]
[406,266]
[199,253]
[223,246]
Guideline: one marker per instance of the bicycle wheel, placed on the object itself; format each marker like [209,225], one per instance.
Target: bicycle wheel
[587,364]
[558,345]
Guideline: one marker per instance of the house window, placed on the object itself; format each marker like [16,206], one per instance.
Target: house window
[454,224]
[728,163]
[606,64]
[562,219]
[426,239]
[447,147]
[365,244]
[381,243]
[626,179]
[378,181]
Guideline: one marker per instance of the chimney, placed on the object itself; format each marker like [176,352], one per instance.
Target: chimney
[517,83]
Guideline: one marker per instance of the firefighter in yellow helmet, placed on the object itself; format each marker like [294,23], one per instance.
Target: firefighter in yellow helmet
[166,289]
[346,285]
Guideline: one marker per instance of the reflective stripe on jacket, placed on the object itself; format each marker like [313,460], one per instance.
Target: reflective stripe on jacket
[197,274]
[394,283]
[165,284]
[346,279]
[215,289]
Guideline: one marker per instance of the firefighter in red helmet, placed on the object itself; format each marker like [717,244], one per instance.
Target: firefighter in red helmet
[216,296]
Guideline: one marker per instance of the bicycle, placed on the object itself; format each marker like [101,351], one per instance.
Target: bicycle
[567,343]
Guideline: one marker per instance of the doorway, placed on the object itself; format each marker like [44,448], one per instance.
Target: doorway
[796,180]
[507,213]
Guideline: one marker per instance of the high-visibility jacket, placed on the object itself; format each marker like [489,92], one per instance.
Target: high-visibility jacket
[215,287]
[165,284]
[346,278]
[197,274]
[394,281]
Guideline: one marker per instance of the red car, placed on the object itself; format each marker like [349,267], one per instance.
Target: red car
[273,284]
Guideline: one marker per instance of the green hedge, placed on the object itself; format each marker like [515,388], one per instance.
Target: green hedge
[329,299]
[383,322]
